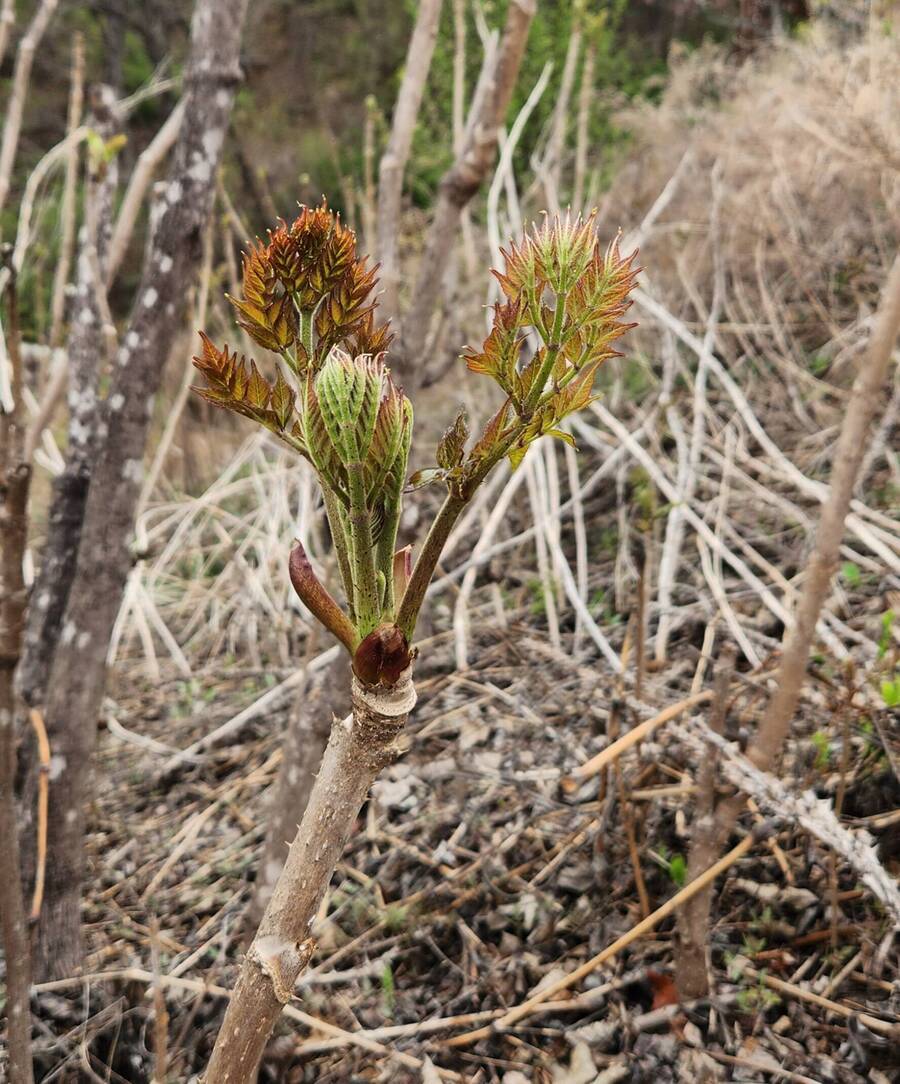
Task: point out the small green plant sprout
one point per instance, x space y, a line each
675 866
887 626
851 574
822 744
753 997
388 990
307 298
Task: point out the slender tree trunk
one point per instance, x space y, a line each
462 181
867 396
7 22
396 154
141 176
84 355
15 478
459 75
304 744
692 941
368 197
359 747
173 258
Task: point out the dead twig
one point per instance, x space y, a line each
606 756
43 802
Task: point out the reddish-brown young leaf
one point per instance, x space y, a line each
499 354
492 433
282 401
317 599
369 339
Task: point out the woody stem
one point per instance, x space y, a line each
359 747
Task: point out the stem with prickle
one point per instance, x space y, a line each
337 524
438 534
366 603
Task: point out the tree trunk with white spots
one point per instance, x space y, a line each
84 351
77 679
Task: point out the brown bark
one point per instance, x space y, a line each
15 477
462 181
304 744
173 258
359 747
867 396
396 153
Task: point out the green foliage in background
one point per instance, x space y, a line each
622 69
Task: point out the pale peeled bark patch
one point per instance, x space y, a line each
281 961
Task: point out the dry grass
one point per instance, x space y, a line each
474 876
800 150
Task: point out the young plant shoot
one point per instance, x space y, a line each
307 298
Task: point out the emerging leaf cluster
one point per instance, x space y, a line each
565 297
307 298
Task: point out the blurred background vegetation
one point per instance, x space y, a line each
313 71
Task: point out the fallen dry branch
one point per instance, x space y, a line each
643 730
198 986
43 805
791 989
816 815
